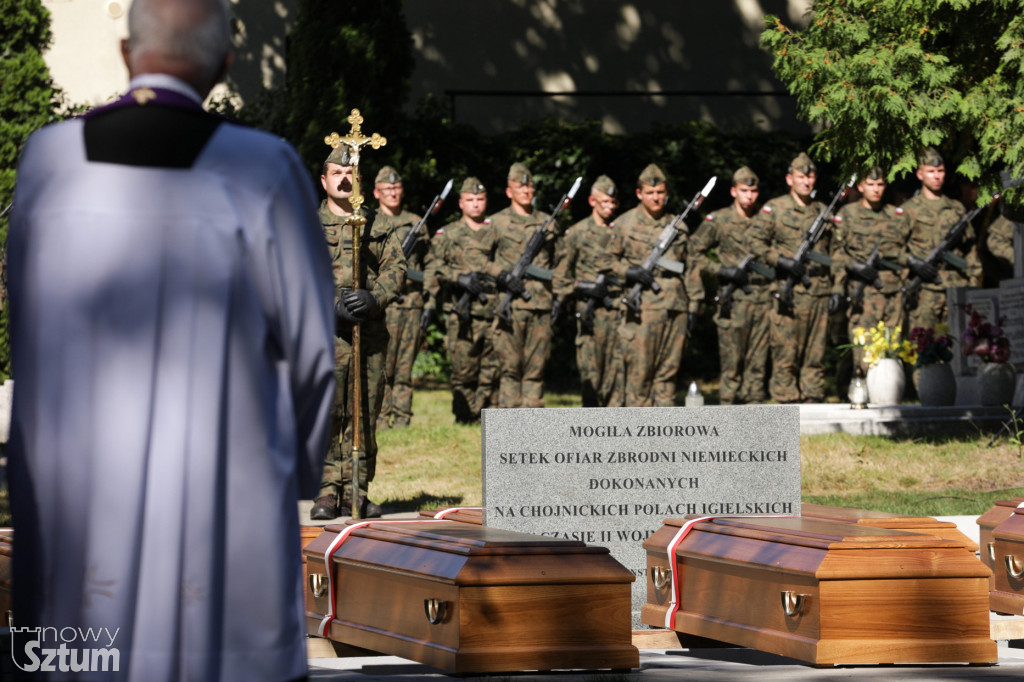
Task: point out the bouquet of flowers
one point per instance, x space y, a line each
882 342
931 346
984 339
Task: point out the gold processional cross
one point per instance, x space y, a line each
355 140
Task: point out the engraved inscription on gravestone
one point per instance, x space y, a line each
610 476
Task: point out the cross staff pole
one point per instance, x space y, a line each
354 141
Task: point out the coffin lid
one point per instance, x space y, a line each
867 517
1012 529
469 554
816 533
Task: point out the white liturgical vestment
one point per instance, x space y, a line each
172 334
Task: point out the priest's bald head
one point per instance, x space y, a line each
188 39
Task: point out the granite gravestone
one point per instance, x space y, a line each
609 477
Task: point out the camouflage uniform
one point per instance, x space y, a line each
797 335
857 230
383 275
651 343
743 326
524 346
597 348
474 372
930 220
404 332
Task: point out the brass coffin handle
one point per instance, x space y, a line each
992 552
793 603
1014 566
318 584
661 576
436 610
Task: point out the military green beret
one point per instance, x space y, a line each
388 176
651 176
472 185
603 184
520 173
930 156
803 164
339 155
744 176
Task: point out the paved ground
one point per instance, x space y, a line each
695 664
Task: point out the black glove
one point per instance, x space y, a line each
637 275
691 322
923 269
596 290
863 272
428 317
360 303
556 311
791 266
470 283
344 315
506 282
836 302
731 273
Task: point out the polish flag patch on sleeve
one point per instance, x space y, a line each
899 211
766 209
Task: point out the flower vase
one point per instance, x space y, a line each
936 385
886 382
996 383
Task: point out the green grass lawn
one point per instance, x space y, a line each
434 462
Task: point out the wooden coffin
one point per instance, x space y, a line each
1007 595
924 525
820 591
1000 511
306 535
474 515
466 598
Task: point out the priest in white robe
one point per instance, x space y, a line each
172 329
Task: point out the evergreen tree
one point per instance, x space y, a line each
28 101
883 78
344 56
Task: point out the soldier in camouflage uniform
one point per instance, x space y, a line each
524 345
743 322
652 342
931 214
403 316
869 294
798 333
449 277
383 275
597 339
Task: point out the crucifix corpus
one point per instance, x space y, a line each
354 141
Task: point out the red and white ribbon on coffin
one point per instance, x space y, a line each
684 530
451 510
325 624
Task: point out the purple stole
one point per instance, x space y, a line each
146 96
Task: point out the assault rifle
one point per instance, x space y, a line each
874 261
724 297
586 316
943 252
665 239
462 306
413 235
804 251
533 247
